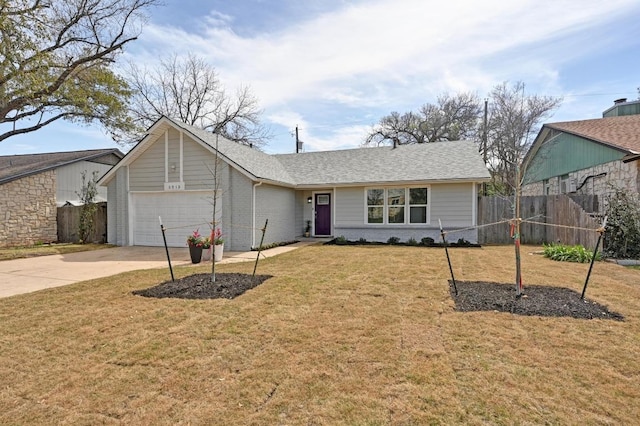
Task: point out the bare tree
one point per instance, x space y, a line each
55 59
451 118
188 89
514 121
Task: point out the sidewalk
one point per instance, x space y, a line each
21 276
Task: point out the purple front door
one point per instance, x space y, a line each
323 214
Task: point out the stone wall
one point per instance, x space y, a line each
28 210
605 179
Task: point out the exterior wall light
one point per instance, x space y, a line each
309 199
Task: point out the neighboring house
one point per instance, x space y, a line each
588 156
371 193
33 185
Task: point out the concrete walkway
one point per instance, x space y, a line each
21 276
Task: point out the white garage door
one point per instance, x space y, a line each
181 212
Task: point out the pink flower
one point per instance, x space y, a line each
195 239
216 236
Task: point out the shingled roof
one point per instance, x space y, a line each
622 133
435 162
14 167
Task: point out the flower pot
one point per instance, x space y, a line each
217 252
206 254
196 254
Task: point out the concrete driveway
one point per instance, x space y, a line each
27 275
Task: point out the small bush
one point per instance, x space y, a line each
341 240
564 253
427 241
462 242
412 242
393 240
362 240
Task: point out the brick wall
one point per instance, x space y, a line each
28 210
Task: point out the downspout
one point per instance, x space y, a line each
253 209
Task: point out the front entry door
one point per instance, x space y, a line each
323 214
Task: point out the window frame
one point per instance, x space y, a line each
406 206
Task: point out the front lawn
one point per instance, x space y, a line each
338 335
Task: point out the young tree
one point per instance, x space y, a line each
188 89
55 59
453 117
514 121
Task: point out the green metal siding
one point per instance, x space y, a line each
625 109
566 153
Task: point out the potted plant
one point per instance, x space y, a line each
195 242
218 244
307 230
206 249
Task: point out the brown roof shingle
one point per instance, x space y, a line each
620 132
17 166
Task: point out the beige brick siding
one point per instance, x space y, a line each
28 210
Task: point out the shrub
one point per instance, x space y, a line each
362 240
622 236
427 241
564 253
393 240
412 242
341 240
87 194
463 242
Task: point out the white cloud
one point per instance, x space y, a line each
395 55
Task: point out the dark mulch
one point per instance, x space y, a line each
336 242
199 286
536 300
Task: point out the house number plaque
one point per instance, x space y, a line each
174 186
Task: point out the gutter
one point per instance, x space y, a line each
630 157
253 209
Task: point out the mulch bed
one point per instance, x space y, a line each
472 296
199 286
536 300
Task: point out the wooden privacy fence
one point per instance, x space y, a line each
574 222
68 218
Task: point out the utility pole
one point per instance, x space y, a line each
484 140
297 141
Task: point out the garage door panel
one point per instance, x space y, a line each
181 213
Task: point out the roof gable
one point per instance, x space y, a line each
612 138
14 167
252 162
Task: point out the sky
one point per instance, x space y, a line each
333 68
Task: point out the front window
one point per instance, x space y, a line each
375 205
397 205
417 205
